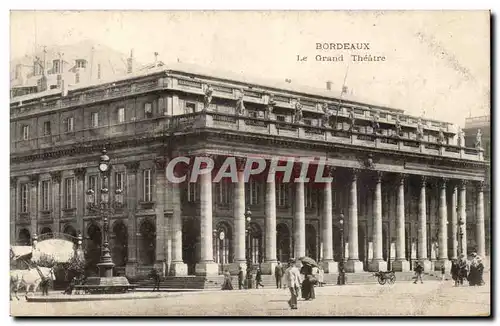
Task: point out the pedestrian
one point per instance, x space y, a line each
418 273
292 280
308 282
258 279
278 274
155 276
442 273
71 286
321 276
241 278
44 285
227 285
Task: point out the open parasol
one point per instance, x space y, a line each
308 261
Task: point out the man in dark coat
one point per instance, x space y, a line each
278 274
307 284
241 279
418 271
258 278
155 276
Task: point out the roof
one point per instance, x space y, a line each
20 251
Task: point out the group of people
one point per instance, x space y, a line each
228 284
301 282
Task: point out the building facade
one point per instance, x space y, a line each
400 183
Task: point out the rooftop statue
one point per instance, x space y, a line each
208 97
375 121
352 120
240 105
460 138
398 126
441 138
298 111
271 103
420 129
479 143
326 115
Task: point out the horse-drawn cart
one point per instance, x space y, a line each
383 277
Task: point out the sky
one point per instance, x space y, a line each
437 63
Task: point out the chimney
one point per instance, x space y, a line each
329 85
156 58
130 65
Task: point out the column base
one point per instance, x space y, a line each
268 267
426 264
377 265
330 266
401 266
207 268
234 268
443 262
353 266
131 269
178 268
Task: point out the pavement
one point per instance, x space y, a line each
433 298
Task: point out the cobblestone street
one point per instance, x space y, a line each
432 298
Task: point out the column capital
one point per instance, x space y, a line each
378 176
401 178
160 163
13 181
240 163
34 179
330 170
423 181
133 166
56 176
480 186
443 183
354 174
463 183
80 173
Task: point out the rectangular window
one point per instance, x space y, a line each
45 195
148 109
282 194
119 180
46 128
280 118
95 119
147 192
190 107
253 192
69 125
121 115
92 184
26 132
192 192
222 190
24 197
69 193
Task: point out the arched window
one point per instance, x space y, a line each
45 233
24 238
119 244
283 242
222 244
254 235
147 241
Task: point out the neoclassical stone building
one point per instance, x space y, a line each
402 184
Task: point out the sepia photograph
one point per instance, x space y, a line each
250 163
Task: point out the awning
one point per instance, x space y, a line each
20 251
58 249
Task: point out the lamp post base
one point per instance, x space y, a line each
106 269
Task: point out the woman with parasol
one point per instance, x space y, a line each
309 279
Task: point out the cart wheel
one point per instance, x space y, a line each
381 280
392 279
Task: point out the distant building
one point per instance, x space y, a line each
82 63
472 125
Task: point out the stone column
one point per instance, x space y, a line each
454 222
353 264
377 263
329 265
422 228
400 264
462 217
480 234
177 267
33 203
443 230
159 188
13 209
271 261
55 177
300 220
206 266
130 201
80 192
239 220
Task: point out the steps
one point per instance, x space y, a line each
215 282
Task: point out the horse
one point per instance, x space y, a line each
30 278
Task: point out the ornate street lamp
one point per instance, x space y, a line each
106 264
248 219
341 278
